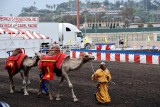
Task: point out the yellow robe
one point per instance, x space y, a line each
102 94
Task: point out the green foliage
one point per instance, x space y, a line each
106 2
29 9
63 6
44 11
130 8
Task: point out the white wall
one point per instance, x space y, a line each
49 29
31 46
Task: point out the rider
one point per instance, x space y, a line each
43 81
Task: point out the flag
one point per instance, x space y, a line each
125 40
105 39
86 40
149 39
70 42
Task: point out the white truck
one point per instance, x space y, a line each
65 34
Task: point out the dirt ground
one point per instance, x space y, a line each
137 85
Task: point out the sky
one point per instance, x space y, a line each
14 7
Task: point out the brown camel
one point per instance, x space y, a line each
25 66
68 65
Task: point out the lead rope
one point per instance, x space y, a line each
92 66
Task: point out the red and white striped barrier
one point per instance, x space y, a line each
120 57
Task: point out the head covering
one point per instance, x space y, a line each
103 63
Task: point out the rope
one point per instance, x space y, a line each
92 66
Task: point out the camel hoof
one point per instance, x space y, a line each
26 94
75 100
58 99
50 99
12 92
39 93
29 82
24 82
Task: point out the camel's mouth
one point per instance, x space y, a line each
92 58
88 57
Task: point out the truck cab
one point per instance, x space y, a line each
69 35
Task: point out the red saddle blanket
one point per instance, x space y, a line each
49 63
13 63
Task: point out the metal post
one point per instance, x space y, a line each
62 34
96 22
85 24
78 17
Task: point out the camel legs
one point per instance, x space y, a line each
11 85
24 77
27 77
60 85
49 90
69 84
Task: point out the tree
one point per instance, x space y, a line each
106 2
54 6
127 15
34 3
118 3
131 3
147 4
28 9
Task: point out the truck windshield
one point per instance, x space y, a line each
79 34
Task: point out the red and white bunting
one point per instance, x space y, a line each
11 31
31 35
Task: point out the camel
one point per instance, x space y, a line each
67 66
25 66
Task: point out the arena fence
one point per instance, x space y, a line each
120 56
115 30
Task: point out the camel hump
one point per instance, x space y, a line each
16 51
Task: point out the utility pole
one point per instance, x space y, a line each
62 38
94 4
85 23
85 17
78 17
146 3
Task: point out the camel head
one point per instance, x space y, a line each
87 57
37 57
54 50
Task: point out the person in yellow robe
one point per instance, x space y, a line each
102 76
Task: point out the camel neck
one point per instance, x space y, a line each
76 63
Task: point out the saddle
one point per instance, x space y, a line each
51 64
13 63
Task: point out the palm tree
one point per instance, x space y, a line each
34 3
54 6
